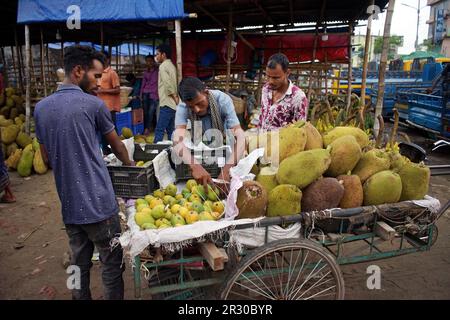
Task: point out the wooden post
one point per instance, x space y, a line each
48 71
62 51
27 78
5 70
117 58
383 61
43 74
134 57
19 62
230 34
178 49
312 63
366 59
14 64
326 74
349 75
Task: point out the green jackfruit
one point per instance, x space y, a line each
415 180
292 140
371 162
38 163
23 139
13 113
35 144
9 134
338 132
304 167
284 200
11 148
345 154
14 159
26 161
383 187
10 91
314 139
267 177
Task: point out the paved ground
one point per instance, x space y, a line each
36 272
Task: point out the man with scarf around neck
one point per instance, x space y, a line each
213 112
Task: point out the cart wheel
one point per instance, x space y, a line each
290 269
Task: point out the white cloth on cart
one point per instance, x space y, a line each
134 240
433 204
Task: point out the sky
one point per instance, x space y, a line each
404 22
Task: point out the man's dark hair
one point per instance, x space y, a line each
278 58
106 54
82 56
190 87
149 56
130 77
165 48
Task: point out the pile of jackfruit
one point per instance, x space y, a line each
305 170
21 152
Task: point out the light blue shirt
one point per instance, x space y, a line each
226 109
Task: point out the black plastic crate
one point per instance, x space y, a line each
133 182
148 154
209 161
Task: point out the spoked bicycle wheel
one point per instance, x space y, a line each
292 269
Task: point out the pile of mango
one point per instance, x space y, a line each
166 208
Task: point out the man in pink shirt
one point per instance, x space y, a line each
149 93
282 102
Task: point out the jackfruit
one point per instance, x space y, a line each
284 200
353 191
13 159
22 117
337 132
397 160
325 193
13 113
314 139
4 111
10 91
292 140
18 121
251 200
267 177
9 102
9 134
26 161
38 163
304 167
415 180
11 148
383 187
23 139
371 162
35 144
345 154
127 133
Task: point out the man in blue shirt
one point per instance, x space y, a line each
212 118
68 125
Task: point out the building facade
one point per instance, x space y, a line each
439 25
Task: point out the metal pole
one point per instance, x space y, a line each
43 75
178 49
417 30
27 77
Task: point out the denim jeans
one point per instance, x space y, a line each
149 105
82 238
166 123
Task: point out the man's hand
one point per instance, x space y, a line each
201 175
225 173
